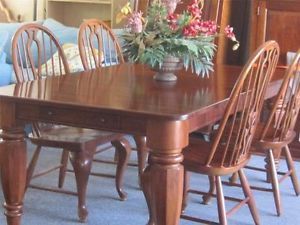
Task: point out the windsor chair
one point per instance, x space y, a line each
229 150
33 41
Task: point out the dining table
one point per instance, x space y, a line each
122 98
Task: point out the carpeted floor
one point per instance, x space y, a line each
47 208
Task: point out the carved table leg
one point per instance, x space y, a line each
142 153
82 163
13 173
163 179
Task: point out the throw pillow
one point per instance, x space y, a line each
73 57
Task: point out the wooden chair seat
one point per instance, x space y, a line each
197 153
270 140
72 138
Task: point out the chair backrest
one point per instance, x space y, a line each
37 53
98 46
234 136
284 113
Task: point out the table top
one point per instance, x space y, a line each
130 89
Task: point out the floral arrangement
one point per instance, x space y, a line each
163 33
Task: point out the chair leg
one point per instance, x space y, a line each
123 149
142 154
212 188
291 167
276 152
82 163
233 178
116 157
186 184
63 168
145 183
32 164
274 181
221 201
248 193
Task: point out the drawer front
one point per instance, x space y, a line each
79 118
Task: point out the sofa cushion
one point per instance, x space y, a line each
63 33
10 28
3 41
5 71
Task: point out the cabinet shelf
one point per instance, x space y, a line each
73 12
108 2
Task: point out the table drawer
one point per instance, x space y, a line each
79 118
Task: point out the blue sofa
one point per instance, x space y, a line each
63 33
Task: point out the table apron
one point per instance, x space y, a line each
81 118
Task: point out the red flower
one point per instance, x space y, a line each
192 29
208 27
194 9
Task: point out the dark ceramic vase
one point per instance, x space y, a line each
170 65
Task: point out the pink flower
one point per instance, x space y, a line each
192 29
172 21
198 26
170 5
194 9
229 32
135 22
208 27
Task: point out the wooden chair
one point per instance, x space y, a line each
278 132
228 152
35 41
99 47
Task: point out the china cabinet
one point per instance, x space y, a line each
278 20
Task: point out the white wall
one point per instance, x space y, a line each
25 8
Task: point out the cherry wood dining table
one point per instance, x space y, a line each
122 98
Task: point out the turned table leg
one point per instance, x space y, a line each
162 181
13 173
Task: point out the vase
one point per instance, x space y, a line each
170 65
